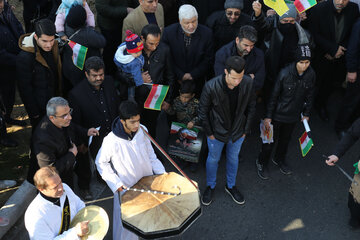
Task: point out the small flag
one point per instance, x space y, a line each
156 97
191 133
278 5
306 144
303 5
79 54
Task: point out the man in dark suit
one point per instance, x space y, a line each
191 47
331 25
95 104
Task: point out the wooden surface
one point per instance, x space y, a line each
154 212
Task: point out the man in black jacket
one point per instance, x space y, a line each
243 46
10 31
226 24
331 23
191 47
38 69
227 108
293 90
53 141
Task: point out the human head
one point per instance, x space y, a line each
245 40
45 34
187 91
340 4
95 71
134 45
302 58
59 112
48 182
150 36
289 16
188 18
76 17
129 114
148 6
233 9
234 71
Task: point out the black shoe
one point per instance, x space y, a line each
8 142
206 198
340 134
284 169
354 223
235 194
262 171
12 121
323 114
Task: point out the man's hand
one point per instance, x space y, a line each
212 137
305 117
267 122
332 160
351 77
257 8
187 76
252 76
146 77
122 188
93 132
165 106
328 57
340 52
303 16
243 136
82 228
73 149
270 12
190 125
64 38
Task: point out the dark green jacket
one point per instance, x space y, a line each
111 13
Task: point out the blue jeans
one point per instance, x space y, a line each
232 161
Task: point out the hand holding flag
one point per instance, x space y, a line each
305 141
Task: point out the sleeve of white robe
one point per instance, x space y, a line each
156 164
103 164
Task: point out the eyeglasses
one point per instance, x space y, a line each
65 116
230 13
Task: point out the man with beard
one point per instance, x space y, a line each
225 24
126 156
284 35
191 47
243 46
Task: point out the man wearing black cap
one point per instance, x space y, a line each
292 95
226 24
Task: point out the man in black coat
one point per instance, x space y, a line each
226 24
54 141
226 110
243 46
331 23
10 31
191 47
38 69
95 102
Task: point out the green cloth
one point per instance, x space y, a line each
356 168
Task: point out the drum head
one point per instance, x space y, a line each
98 221
153 215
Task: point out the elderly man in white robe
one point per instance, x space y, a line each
126 155
50 213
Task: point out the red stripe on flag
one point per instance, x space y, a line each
303 137
72 44
299 6
151 94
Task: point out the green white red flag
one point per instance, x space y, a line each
79 54
306 144
156 97
303 5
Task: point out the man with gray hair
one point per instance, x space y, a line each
191 47
54 141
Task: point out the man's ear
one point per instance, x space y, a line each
36 37
226 71
237 40
86 75
51 118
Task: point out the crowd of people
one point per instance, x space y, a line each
220 59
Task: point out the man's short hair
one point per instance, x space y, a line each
187 86
235 63
45 26
94 63
151 29
128 109
42 175
248 32
187 11
53 103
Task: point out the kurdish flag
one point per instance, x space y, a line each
278 5
191 133
306 144
156 97
79 54
303 5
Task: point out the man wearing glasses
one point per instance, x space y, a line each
225 25
54 143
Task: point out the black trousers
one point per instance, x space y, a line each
282 136
7 89
349 105
113 40
353 207
82 170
